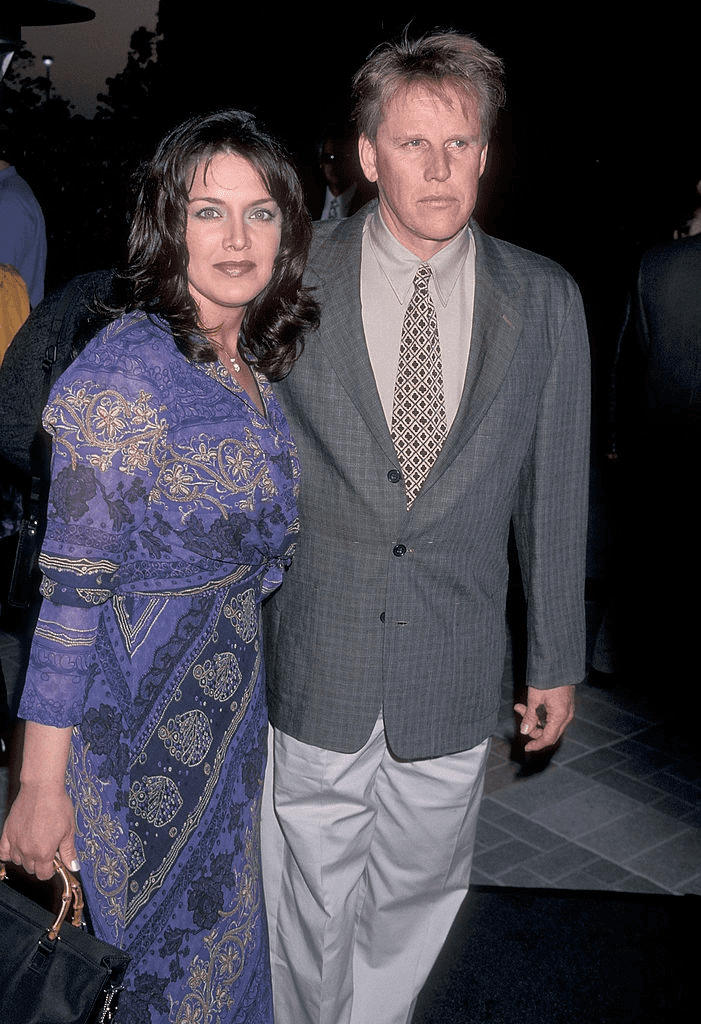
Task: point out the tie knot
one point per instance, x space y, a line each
422 277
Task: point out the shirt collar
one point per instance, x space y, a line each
399 265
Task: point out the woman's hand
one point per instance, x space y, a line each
40 824
41 821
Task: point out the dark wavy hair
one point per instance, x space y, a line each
157 266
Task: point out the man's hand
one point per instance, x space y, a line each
546 716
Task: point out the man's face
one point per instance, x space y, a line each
427 161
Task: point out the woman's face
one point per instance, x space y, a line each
232 236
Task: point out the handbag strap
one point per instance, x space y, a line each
39 450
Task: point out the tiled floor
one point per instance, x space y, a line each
617 807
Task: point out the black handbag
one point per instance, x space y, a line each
51 970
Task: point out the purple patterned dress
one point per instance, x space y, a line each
172 514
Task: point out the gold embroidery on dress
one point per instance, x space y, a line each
229 943
136 856
187 737
205 474
107 420
93 596
102 835
136 631
61 633
137 900
155 798
219 677
243 612
77 566
201 474
239 573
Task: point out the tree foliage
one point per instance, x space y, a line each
130 95
29 99
81 169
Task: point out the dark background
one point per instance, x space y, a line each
595 159
603 129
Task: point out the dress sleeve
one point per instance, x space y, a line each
108 430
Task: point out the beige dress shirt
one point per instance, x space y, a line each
386 286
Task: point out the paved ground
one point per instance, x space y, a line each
618 807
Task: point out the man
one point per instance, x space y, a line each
387 639
22 229
342 177
660 459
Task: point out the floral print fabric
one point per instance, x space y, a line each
172 513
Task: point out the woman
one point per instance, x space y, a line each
172 513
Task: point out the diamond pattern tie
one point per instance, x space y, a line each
418 415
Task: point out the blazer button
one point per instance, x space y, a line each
382 616
399 550
394 476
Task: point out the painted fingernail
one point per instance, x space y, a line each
525 729
75 865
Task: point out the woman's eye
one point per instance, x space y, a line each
208 213
263 214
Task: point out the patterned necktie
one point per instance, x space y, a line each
419 422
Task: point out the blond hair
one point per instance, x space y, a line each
434 61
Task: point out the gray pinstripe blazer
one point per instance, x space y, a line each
405 610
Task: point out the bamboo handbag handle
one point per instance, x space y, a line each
71 897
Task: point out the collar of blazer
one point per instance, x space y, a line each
334 273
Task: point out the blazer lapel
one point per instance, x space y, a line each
496 327
342 333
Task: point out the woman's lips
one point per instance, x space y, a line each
235 268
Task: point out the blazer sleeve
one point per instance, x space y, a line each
551 509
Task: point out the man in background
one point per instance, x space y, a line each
22 228
345 188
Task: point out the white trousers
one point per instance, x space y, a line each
366 861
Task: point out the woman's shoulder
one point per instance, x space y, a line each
134 346
135 331
122 375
